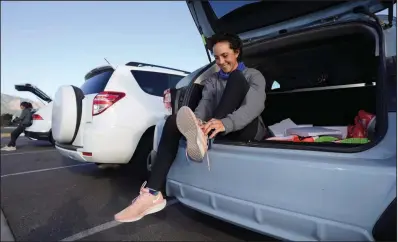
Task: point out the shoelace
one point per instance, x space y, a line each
141 194
207 156
142 186
208 160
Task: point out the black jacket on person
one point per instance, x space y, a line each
25 119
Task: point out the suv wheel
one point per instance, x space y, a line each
51 138
141 154
150 160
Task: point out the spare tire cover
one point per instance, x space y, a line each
66 114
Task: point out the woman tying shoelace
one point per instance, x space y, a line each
232 102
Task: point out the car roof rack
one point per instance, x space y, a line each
139 64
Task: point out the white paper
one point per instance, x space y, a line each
342 129
280 128
313 131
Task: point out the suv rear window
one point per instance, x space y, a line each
222 8
97 83
155 83
241 16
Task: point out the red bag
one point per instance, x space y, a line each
356 130
367 119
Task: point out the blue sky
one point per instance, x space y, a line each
50 44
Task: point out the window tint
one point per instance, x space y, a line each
337 61
187 79
97 83
155 83
173 80
242 16
275 85
221 8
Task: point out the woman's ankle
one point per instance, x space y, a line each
153 191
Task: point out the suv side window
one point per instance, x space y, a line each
154 83
173 80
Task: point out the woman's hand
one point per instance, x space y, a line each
215 124
200 123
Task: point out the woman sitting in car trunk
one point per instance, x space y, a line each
232 102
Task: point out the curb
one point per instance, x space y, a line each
6 234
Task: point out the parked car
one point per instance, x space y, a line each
112 116
41 125
330 60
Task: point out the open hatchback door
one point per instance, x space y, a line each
33 89
258 19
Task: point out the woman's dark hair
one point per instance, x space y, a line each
25 104
30 105
235 43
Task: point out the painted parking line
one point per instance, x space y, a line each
27 152
42 170
103 227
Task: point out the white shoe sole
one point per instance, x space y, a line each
152 210
186 123
8 149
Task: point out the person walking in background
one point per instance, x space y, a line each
25 120
231 106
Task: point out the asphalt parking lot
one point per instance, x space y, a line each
46 197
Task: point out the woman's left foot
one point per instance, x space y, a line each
9 148
146 203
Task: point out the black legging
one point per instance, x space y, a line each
15 134
232 98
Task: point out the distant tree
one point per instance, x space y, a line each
6 119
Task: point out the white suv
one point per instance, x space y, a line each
113 114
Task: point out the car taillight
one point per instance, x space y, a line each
167 100
36 117
104 100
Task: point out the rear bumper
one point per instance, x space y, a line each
253 216
111 146
76 153
37 135
71 152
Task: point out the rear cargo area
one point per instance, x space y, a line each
328 82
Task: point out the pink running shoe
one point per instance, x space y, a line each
144 204
196 139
